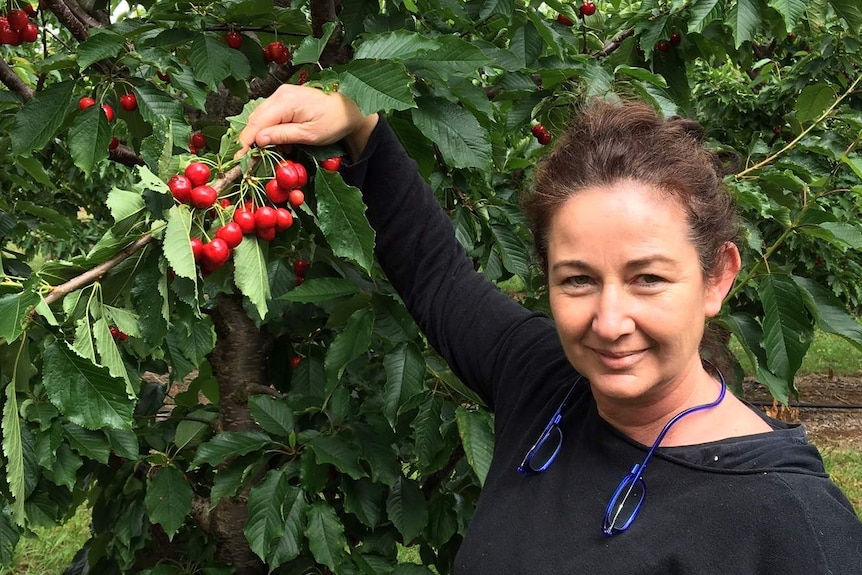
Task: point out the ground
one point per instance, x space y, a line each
830 407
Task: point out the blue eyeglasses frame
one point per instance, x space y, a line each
550 429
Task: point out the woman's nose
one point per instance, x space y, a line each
612 317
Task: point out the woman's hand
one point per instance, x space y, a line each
303 115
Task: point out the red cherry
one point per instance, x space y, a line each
129 102
266 234
215 253
587 9
300 280
115 143
85 103
276 49
538 129
544 138
283 219
245 220
4 23
662 45
303 77
275 193
109 112
265 217
296 198
295 361
287 175
181 188
198 140
301 266
203 196
675 39
30 33
30 10
10 37
115 331
564 20
164 77
198 172
197 248
302 174
225 203
17 19
267 53
231 233
331 164
233 39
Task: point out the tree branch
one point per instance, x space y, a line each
12 81
126 156
615 43
71 20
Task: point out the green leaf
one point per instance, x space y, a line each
250 273
428 440
190 433
450 55
702 13
477 436
90 444
311 48
13 313
289 545
325 535
320 290
377 85
395 45
266 518
363 499
229 444
35 170
490 8
37 122
168 499
831 314
178 249
13 450
405 375
349 344
159 109
9 537
743 18
273 415
462 141
791 11
787 331
336 450
843 235
512 250
86 393
210 60
124 204
850 11
109 354
99 45
813 101
407 509
341 213
89 137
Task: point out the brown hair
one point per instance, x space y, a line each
608 143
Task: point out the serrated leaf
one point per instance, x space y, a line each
168 499
9 537
13 313
229 444
159 109
349 344
35 170
273 415
787 331
210 60
841 234
462 141
89 137
743 17
791 11
850 11
91 444
177 248
395 45
341 213
363 499
265 520
336 450
428 440
13 450
405 375
311 48
831 314
377 85
512 250
86 393
99 45
702 13
451 55
504 8
321 290
124 204
477 437
109 354
36 123
325 535
813 101
407 509
250 273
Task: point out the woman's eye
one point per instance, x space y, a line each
649 279
577 281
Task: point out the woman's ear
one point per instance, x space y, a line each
719 284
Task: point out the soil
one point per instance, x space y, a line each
829 407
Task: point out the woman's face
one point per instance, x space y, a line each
627 291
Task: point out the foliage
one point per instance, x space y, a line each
166 395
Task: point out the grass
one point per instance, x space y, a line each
52 549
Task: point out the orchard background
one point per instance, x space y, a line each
268 405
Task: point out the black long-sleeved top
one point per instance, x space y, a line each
760 504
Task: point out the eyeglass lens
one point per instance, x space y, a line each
546 450
625 503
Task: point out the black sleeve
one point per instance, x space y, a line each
473 325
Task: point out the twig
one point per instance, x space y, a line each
70 19
615 43
12 81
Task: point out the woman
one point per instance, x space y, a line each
636 237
